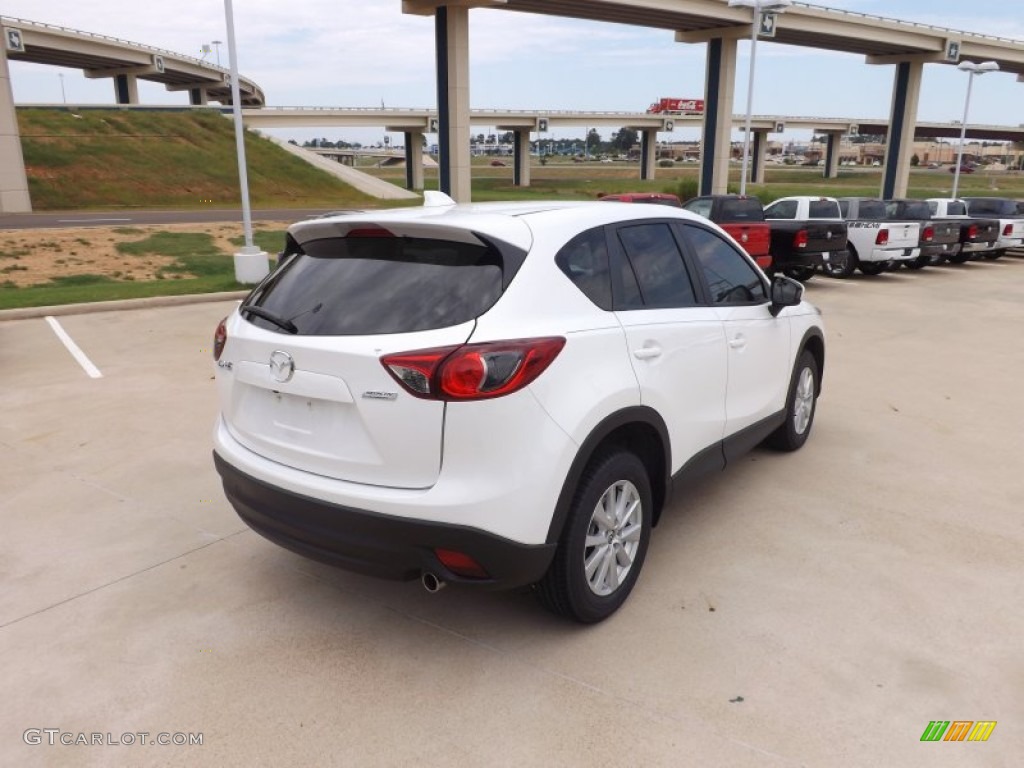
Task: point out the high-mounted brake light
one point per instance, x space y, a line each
220 338
369 232
929 234
800 239
473 371
882 238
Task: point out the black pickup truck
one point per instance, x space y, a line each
940 238
805 231
979 237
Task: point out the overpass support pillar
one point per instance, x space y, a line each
126 89
758 151
13 180
451 40
413 160
197 97
521 158
902 121
716 142
834 138
648 152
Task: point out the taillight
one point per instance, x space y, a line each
928 235
972 231
882 238
473 371
800 239
220 337
1008 230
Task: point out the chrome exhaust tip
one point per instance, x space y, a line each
431 583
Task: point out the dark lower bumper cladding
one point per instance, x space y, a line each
375 544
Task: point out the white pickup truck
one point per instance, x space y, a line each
1011 222
873 242
978 236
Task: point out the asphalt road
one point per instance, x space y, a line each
814 609
64 219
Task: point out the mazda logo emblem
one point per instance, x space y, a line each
282 366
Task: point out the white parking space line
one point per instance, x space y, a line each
91 370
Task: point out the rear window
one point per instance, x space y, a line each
870 210
825 209
371 285
735 209
992 207
915 211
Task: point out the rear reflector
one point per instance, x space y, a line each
461 564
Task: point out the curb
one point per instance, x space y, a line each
26 313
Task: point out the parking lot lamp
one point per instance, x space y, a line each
757 8
972 69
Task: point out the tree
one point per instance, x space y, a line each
915 160
624 139
593 140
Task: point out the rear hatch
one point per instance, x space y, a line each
306 387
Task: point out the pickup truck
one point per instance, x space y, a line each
940 238
978 236
1011 223
805 231
874 243
742 218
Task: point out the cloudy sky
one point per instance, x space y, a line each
360 53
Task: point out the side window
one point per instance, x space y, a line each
783 209
584 260
654 256
700 207
730 277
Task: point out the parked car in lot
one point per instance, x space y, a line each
1011 222
805 232
503 394
742 218
873 243
939 238
978 236
655 198
963 169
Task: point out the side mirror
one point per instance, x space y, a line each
786 292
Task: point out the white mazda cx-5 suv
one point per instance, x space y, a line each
503 394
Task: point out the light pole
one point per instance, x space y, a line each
757 7
63 95
216 45
972 69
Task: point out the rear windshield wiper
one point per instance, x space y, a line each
280 322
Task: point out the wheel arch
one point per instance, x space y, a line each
639 429
814 342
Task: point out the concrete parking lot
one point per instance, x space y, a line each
814 609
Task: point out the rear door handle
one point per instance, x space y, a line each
738 341
646 353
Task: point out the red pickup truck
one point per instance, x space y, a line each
742 218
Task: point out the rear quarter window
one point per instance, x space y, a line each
381 285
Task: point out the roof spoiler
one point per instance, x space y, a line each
434 199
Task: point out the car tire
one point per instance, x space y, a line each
801 404
959 258
599 559
993 255
803 274
841 267
919 263
873 267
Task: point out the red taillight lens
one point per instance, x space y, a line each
882 238
800 239
928 235
1008 230
220 337
972 231
461 564
473 371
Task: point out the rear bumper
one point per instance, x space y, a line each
979 247
376 544
891 254
940 249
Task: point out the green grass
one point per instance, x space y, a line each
104 159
